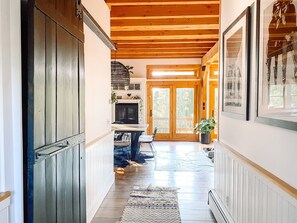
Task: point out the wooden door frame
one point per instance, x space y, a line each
211 105
173 85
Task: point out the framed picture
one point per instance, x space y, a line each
277 63
236 67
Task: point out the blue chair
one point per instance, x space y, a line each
122 149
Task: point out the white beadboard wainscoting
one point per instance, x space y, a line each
245 193
4 207
99 172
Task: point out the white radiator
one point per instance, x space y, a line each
4 210
99 172
246 195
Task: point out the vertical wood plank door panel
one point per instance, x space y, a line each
75 86
39 79
51 189
64 187
39 193
67 84
50 81
75 184
82 183
81 88
64 82
45 191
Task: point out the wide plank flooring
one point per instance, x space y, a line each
194 186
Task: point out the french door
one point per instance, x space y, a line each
172 108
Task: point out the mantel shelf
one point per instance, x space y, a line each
129 100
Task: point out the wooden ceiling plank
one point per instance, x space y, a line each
167 45
121 51
166 41
160 2
168 11
165 27
178 37
165 33
165 21
155 56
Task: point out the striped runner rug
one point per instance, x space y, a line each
152 204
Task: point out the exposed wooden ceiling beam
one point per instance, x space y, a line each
167 41
160 2
165 11
132 38
211 55
165 27
156 56
167 34
165 21
140 51
167 46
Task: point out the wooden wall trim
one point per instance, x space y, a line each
4 195
271 177
96 140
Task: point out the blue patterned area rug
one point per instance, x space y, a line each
183 160
152 204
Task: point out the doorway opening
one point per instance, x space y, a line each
172 104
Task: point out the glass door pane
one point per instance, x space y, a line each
185 110
161 110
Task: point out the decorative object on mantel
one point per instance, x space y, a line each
130 68
119 74
114 98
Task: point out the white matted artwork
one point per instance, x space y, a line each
277 63
236 67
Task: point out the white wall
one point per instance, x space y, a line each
97 70
99 137
139 65
273 148
10 107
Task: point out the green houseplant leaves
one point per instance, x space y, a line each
205 126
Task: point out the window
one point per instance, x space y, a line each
185 71
173 73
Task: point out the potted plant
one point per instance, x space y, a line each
204 127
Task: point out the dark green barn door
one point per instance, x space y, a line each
53 105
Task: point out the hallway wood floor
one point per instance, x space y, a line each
194 187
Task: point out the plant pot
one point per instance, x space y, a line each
205 138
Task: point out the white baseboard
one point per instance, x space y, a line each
218 209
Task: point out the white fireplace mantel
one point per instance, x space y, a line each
128 101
